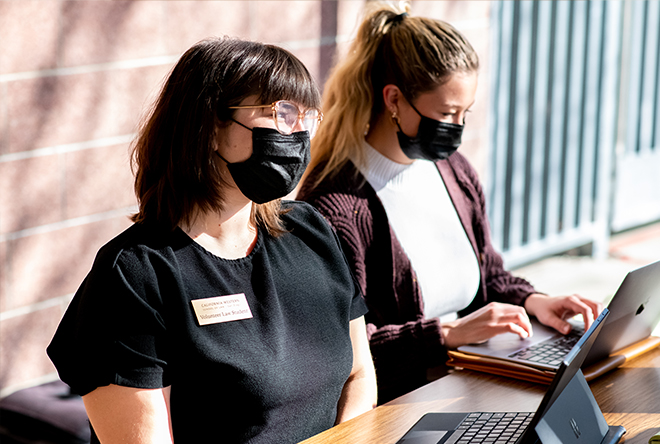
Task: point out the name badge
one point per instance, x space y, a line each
233 307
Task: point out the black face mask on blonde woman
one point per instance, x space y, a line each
435 140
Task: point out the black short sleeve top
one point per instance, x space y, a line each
268 367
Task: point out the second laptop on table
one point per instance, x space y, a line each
635 312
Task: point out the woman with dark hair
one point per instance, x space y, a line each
408 209
223 314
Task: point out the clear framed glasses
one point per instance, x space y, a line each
286 115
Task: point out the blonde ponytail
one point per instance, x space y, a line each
348 98
390 47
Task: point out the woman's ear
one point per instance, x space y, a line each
392 95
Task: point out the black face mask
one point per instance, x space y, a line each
275 167
435 140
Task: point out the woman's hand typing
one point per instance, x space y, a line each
488 321
554 310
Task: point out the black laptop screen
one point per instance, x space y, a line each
567 370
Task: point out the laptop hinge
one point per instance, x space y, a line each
613 435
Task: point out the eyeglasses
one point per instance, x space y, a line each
287 115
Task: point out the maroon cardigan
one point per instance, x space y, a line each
404 343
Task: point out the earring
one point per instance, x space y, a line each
395 118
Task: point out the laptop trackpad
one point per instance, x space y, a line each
432 428
424 437
505 344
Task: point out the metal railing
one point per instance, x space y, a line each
636 196
555 91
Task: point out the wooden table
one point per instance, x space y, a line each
628 396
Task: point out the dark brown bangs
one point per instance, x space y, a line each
284 77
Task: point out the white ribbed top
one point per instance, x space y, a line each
426 223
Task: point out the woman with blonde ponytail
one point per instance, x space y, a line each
408 209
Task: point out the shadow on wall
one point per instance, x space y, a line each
329 19
53 175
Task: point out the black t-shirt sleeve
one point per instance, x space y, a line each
113 331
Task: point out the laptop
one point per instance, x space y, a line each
568 413
634 313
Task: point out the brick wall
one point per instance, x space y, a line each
75 77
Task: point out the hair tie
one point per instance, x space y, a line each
397 18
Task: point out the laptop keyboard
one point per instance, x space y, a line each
552 351
491 428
